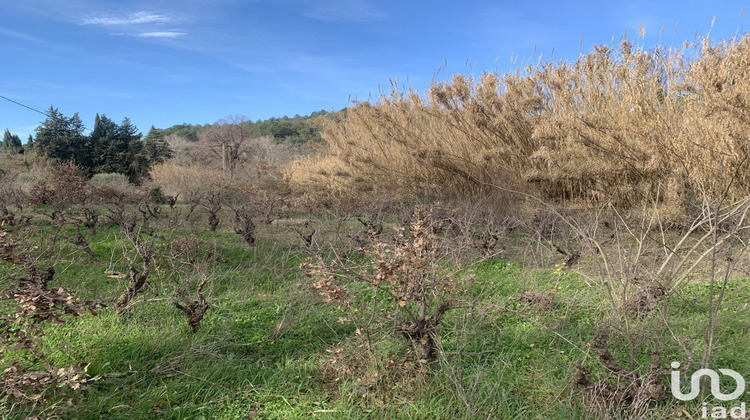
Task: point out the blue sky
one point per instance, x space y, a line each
166 62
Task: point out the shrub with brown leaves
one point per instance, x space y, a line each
64 185
34 303
407 274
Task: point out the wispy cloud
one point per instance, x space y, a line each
124 20
155 34
33 46
140 24
162 34
19 35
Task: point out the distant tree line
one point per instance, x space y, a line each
120 148
188 131
110 148
296 130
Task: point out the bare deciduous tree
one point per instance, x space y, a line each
228 139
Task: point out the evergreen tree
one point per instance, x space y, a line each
61 138
130 150
102 127
12 142
104 147
110 148
155 147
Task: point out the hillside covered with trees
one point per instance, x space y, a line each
121 148
297 129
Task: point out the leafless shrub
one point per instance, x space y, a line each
195 184
640 265
212 202
73 216
65 185
372 227
8 197
12 208
479 225
90 219
269 204
245 226
487 241
633 392
137 277
7 217
645 300
572 255
187 248
79 240
116 194
172 200
307 236
121 216
149 211
194 200
58 220
188 259
194 309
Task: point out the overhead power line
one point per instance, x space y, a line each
25 106
46 114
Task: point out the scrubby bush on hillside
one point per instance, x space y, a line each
64 185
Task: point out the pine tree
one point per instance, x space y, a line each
61 138
110 148
103 140
11 141
130 149
156 148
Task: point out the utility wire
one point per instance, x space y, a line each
25 106
33 109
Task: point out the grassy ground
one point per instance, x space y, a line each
271 348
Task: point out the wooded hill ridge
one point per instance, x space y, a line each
297 129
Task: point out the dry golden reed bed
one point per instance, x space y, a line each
626 125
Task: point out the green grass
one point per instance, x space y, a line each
262 346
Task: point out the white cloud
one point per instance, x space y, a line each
162 34
154 34
150 25
122 20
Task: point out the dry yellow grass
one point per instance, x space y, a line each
175 179
624 125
